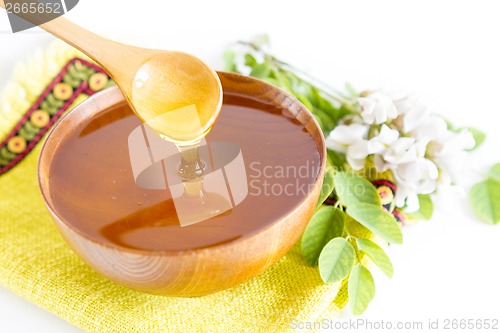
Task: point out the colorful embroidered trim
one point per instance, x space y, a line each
78 77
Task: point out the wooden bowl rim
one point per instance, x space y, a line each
111 97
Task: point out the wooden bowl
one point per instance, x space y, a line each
199 271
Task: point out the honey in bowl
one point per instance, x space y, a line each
281 163
130 230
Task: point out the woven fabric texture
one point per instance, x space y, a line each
37 265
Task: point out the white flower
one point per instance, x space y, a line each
377 108
404 102
449 153
343 136
404 150
413 178
429 129
414 173
405 138
417 121
351 140
421 173
412 202
357 154
351 119
414 117
451 143
382 141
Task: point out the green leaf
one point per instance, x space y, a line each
324 103
272 81
327 187
229 61
478 135
250 60
304 100
341 112
336 260
323 118
352 189
320 123
494 172
485 200
449 124
326 224
284 81
377 255
318 100
261 70
261 40
337 159
379 221
356 229
361 289
351 90
426 208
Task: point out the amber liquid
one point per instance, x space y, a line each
92 169
185 120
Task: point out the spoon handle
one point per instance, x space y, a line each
107 53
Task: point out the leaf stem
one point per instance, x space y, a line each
356 251
337 204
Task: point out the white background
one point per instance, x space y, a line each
447 51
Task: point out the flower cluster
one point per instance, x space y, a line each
413 150
401 135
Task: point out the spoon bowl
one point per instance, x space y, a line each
167 87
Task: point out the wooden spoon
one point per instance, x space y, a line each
154 82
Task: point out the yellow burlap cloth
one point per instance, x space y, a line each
36 264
